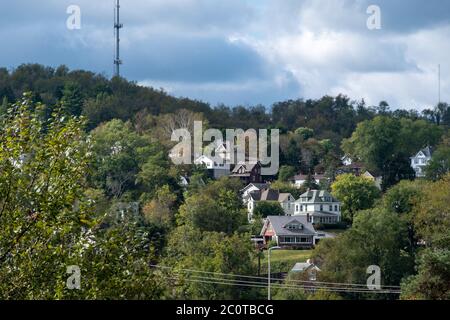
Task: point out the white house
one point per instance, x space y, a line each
218 167
346 160
420 161
300 179
251 187
307 266
286 201
319 206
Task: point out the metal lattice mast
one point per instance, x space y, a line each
117 27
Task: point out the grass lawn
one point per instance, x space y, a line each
284 260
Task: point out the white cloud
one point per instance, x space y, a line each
245 51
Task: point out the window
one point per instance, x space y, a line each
331 207
296 208
336 208
301 208
294 226
321 207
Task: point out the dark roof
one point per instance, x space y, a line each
268 195
248 167
428 151
317 196
265 195
305 177
355 165
279 222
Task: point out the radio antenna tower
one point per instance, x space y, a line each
117 27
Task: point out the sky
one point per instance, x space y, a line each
246 52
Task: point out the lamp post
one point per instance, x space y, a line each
268 269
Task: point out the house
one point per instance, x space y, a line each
420 161
377 179
223 150
286 231
356 168
218 168
248 172
185 181
300 179
245 192
318 206
286 200
346 160
307 266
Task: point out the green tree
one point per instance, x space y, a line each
42 177
160 210
432 222
354 193
124 160
433 277
72 99
402 200
385 144
214 256
268 208
216 208
49 221
305 133
377 237
439 166
286 172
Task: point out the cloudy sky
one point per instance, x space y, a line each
246 52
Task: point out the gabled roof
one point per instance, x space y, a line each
259 186
302 266
427 151
317 196
284 196
269 195
278 224
248 167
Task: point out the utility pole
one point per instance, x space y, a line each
117 27
268 269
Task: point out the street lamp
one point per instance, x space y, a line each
268 269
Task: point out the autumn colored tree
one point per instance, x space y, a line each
354 193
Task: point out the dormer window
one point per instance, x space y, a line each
294 226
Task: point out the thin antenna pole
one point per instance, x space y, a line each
117 27
439 84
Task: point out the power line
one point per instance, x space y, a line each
221 281
317 285
264 278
